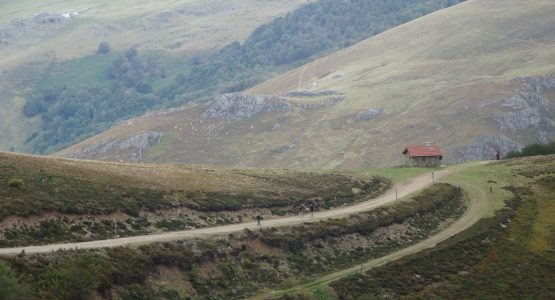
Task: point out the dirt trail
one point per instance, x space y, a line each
472 215
404 189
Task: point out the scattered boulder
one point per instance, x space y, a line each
239 106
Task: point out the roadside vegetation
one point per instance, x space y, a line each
47 200
237 265
533 150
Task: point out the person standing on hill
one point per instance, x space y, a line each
312 208
498 155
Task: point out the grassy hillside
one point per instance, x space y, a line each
84 96
233 266
473 78
36 36
508 256
183 25
44 199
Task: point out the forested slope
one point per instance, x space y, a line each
120 86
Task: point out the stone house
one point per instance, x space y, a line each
423 156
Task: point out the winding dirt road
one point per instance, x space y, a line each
404 189
474 212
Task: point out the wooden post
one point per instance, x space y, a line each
433 178
115 228
396 196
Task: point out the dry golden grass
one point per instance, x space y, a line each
89 187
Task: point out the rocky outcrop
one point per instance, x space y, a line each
131 148
526 110
485 148
310 94
370 114
328 102
47 19
538 84
38 26
283 149
239 106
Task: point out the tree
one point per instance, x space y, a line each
32 107
103 48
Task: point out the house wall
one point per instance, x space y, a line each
423 161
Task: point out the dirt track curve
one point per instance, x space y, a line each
472 215
414 185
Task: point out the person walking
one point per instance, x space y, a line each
312 208
498 155
301 211
258 219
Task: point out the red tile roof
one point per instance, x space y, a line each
416 151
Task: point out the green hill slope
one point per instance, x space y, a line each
46 199
473 78
39 40
80 97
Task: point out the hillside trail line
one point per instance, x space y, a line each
301 76
473 213
403 189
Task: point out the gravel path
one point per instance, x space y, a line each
404 189
472 215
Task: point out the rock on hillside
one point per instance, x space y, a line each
485 148
240 106
130 149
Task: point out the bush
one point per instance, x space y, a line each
103 48
16 183
33 107
533 150
10 287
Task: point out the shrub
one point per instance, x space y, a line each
103 48
16 183
33 107
533 150
10 285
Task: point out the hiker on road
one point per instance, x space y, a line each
258 219
301 211
312 208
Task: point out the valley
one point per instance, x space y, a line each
292 150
